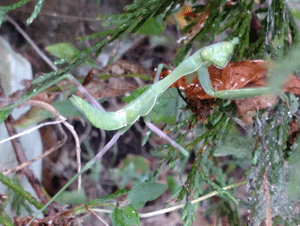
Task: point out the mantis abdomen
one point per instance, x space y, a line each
121 118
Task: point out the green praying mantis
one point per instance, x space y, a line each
218 54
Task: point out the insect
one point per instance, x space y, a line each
217 54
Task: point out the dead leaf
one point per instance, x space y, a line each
61 219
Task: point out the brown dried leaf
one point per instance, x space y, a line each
122 67
113 87
59 219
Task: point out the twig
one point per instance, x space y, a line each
167 138
46 153
35 183
170 209
31 42
31 130
96 215
78 151
61 16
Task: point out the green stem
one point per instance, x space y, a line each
19 190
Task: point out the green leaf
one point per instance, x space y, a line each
20 191
296 13
144 192
236 145
66 108
188 213
125 216
62 50
5 219
173 186
4 114
5 9
151 26
106 198
72 197
2 14
36 11
133 170
44 77
167 107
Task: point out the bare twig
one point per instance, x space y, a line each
77 143
32 129
46 153
98 217
167 138
31 42
173 208
67 18
35 183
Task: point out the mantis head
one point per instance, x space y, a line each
219 54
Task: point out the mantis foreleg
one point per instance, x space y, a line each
204 79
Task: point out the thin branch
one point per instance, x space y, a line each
167 138
61 16
98 217
31 42
33 180
32 129
46 153
170 209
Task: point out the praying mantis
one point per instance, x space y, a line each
218 54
